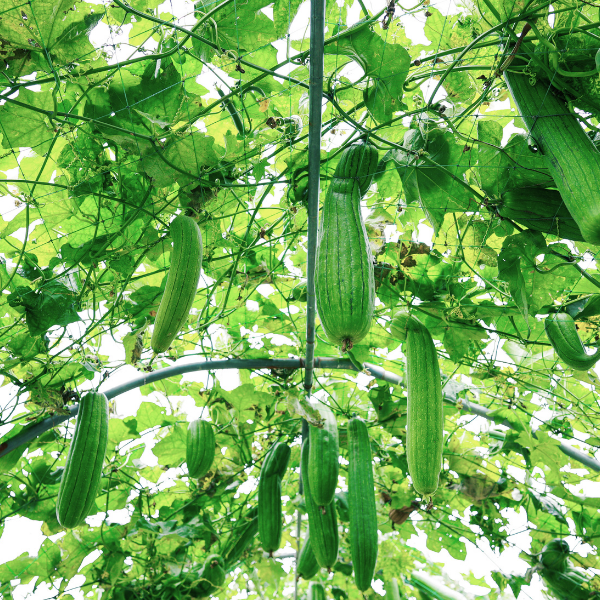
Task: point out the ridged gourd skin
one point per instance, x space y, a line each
425 413
359 162
555 555
83 469
539 209
270 514
341 501
562 334
361 500
200 448
570 584
211 577
240 539
324 535
308 566
323 458
182 282
344 275
572 158
316 591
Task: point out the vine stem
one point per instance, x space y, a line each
33 431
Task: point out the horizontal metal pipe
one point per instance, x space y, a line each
36 430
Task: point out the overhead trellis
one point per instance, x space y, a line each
116 116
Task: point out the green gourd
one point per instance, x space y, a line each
573 583
562 333
344 568
300 292
425 415
316 591
341 501
433 588
182 282
555 555
83 470
270 515
539 209
392 588
240 539
572 158
211 577
324 536
323 458
307 566
200 448
344 276
361 500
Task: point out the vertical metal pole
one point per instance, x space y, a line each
315 102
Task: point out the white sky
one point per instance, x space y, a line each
24 535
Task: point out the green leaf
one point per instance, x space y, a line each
133 343
50 26
53 304
27 346
27 127
19 568
513 166
434 187
170 451
181 161
515 249
385 64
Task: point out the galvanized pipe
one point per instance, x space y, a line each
315 104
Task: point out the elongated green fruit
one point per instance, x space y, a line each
308 566
571 584
341 500
434 588
182 282
344 568
323 458
83 470
270 514
240 539
562 333
300 292
316 591
210 578
539 209
361 500
345 283
200 448
573 160
233 113
425 416
324 536
392 587
555 555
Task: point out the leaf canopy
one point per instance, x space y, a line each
115 117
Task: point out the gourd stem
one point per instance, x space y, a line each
315 102
34 431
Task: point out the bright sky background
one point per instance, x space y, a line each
24 535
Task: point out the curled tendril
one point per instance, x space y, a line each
552 59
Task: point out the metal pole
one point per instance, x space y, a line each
33 431
315 103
